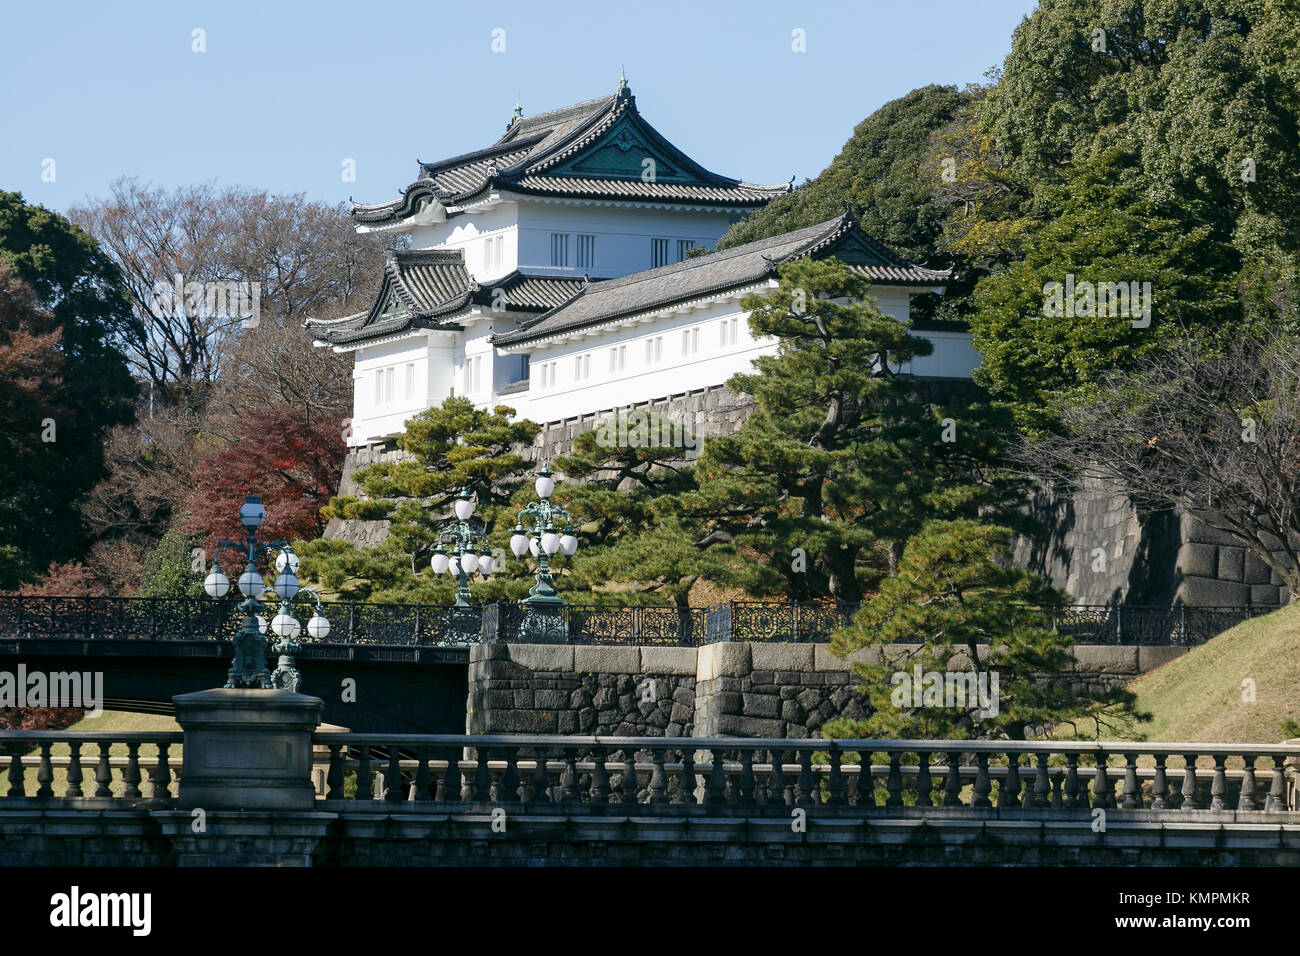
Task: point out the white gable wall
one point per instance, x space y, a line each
395 380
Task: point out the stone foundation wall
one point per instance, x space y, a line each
560 689
728 689
1101 551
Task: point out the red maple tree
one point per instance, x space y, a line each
293 463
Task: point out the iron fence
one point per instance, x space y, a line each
191 619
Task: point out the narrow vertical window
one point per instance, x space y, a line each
560 250
410 381
658 253
586 251
684 246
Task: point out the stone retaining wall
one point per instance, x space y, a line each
728 689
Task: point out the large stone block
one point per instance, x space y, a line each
1103 659
542 657
1198 560
734 725
607 660
669 660
725 659
1231 563
1256 571
1207 592
760 705
1149 658
782 657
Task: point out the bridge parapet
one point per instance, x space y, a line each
415 799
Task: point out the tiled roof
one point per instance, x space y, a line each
532 155
718 272
429 288
531 293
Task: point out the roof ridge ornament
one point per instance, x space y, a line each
622 79
519 111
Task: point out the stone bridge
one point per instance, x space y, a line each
274 790
735 688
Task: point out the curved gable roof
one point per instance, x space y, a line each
544 155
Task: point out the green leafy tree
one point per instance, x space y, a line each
1037 355
955 606
169 570
75 284
842 460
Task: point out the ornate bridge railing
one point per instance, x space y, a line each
88 769
685 775
188 619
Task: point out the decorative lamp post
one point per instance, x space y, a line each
249 666
463 551
551 533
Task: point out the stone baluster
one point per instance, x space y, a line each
393 791
835 781
1159 785
45 773
1132 789
480 781
334 774
1009 789
952 783
1246 800
685 792
1103 791
748 786
894 782
1073 797
658 780
599 777
104 771
365 785
805 798
540 791
569 777
17 787
1058 796
1219 786
160 777
74 769
777 786
1189 782
423 779
628 787
982 785
715 788
1042 782
924 782
449 792
1277 790
131 775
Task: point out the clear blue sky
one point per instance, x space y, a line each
286 91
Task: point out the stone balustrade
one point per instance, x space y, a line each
675 775
88 771
250 758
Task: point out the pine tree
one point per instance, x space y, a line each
954 607
452 446
842 459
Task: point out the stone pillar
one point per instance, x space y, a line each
247 749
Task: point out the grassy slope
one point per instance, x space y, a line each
1198 696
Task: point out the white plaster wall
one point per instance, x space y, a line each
679 370
434 359
622 235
